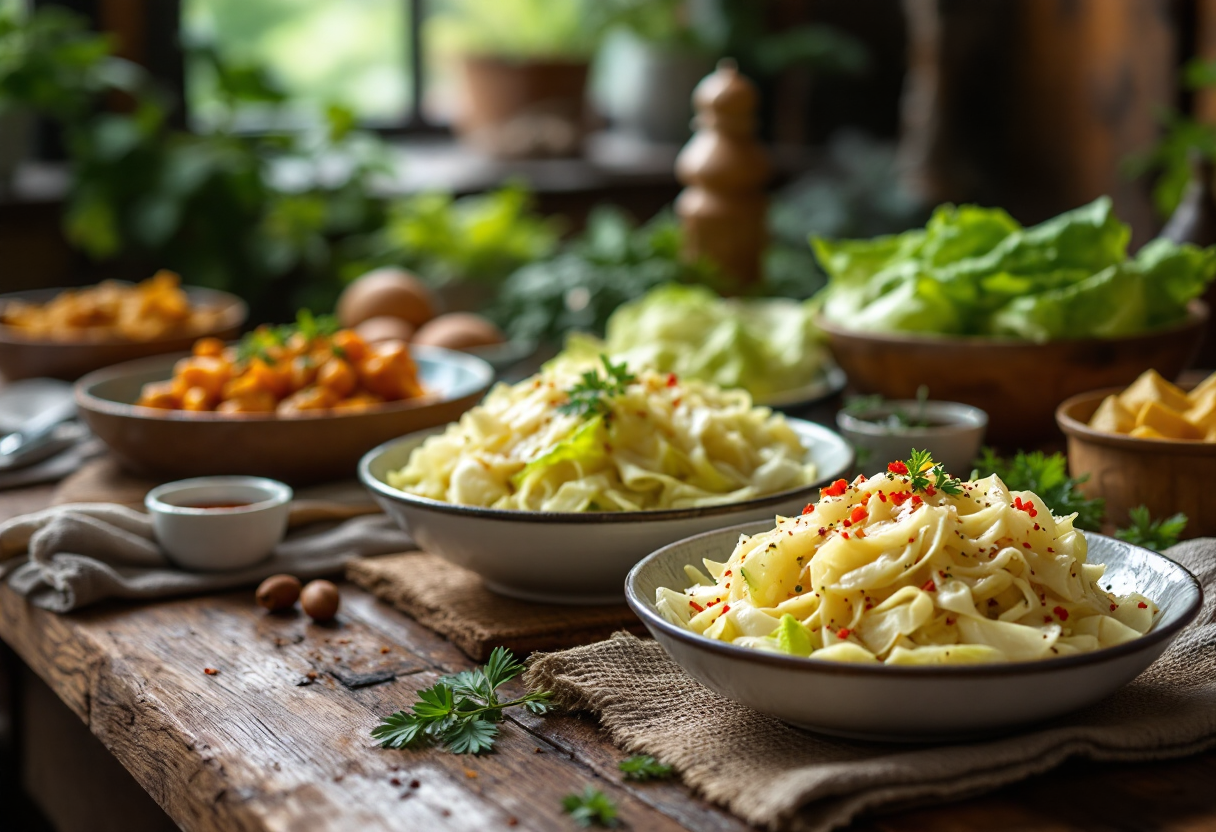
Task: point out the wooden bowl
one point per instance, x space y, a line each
22 357
1165 475
173 444
1019 384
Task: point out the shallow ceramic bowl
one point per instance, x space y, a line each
1166 475
570 557
954 436
170 444
22 357
876 702
1017 383
216 524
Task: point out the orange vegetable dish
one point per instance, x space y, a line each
288 371
149 311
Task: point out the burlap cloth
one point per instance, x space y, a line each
776 776
455 603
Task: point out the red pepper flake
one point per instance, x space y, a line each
931 491
847 522
911 539
1142 605
898 467
949 621
696 606
843 633
809 508
845 535
676 402
725 609
1025 545
916 500
899 497
1114 607
865 498
1053 551
835 489
858 514
882 496
1047 619
929 586
211 671
672 380
860 533
1061 613
727 573
822 531
1036 527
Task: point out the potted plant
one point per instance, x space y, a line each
523 72
883 430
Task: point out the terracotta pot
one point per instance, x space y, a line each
524 109
1019 384
1165 475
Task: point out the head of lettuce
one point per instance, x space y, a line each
976 271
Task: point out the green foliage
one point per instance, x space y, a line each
613 261
591 394
591 807
923 474
516 28
740 28
643 767
1046 476
482 237
460 712
664 22
1157 535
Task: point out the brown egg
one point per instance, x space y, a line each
459 331
389 291
320 599
385 328
278 592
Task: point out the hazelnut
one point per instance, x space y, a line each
278 592
320 600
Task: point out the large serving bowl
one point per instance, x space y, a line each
1017 383
1166 475
172 444
572 557
23 357
914 704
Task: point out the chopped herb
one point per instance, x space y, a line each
460 711
1046 476
260 342
1157 535
590 808
644 767
924 474
591 394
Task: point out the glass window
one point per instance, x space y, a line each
353 52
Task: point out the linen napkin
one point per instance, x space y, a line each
69 556
779 777
455 603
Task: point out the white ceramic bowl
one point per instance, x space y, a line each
954 439
914 704
570 557
219 539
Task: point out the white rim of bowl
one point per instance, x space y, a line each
277 493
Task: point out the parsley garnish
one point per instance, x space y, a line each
460 711
260 342
593 391
644 767
923 473
1149 533
590 807
1046 476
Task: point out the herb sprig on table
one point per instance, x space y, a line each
591 394
642 767
1047 476
591 807
1157 535
460 712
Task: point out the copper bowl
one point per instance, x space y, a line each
174 444
1166 475
22 357
1018 383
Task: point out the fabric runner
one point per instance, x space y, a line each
780 777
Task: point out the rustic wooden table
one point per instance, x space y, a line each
278 740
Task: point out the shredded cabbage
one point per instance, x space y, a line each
663 443
878 574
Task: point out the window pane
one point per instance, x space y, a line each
351 52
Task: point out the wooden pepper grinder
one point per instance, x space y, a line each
723 207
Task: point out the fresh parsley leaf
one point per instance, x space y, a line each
924 474
591 394
644 767
460 711
1157 535
1047 476
591 807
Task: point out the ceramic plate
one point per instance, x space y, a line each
915 704
567 557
